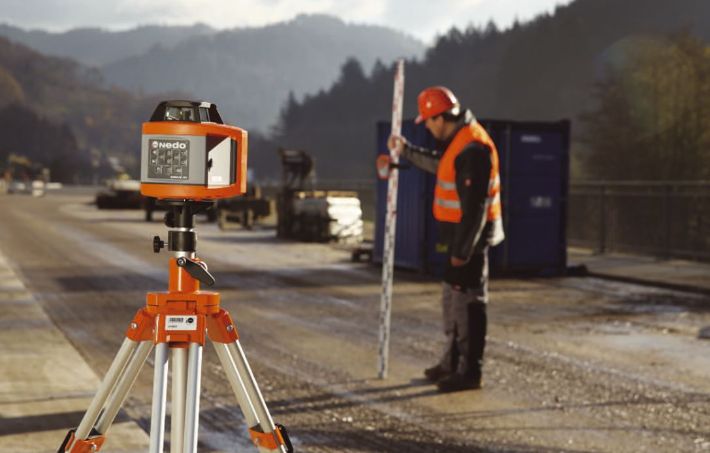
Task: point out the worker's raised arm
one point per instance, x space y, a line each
424 158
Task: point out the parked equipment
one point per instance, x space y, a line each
245 209
120 194
124 193
19 175
314 215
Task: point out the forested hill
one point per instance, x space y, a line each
542 70
56 113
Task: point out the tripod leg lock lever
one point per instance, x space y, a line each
284 437
196 270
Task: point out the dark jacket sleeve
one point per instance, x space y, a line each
424 158
473 169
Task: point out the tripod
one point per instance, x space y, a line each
178 322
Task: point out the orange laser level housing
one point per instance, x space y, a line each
187 153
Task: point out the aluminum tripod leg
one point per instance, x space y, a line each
244 385
160 383
192 402
179 390
128 378
112 376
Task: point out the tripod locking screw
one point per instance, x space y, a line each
157 244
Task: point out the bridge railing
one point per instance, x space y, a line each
669 219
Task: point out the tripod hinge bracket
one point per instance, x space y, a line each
221 328
273 440
141 326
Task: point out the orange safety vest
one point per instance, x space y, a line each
447 206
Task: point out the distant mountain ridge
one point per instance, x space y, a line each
248 72
97 47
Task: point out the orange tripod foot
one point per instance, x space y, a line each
90 445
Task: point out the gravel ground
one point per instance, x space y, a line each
572 364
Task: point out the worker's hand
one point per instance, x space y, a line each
457 262
396 143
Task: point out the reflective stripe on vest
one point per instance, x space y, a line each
446 185
448 203
447 206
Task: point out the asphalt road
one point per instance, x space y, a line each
572 364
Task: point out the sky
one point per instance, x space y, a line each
423 19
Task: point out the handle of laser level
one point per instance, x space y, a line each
241 138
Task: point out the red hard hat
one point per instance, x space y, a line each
435 101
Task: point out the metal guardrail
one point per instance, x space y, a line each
669 219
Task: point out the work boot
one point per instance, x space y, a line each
435 373
456 382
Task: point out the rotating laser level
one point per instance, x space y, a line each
189 157
187 152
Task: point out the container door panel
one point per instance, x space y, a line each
536 153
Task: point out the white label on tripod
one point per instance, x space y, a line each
181 323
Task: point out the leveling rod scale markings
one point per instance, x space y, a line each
390 225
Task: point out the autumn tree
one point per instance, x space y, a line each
652 120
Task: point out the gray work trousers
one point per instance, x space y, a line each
465 325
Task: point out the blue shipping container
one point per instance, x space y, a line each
534 166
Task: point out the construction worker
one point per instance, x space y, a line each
467 206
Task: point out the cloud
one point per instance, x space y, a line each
421 18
